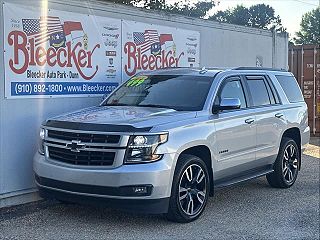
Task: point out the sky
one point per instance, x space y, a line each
290 11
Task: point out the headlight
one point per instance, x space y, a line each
141 149
42 135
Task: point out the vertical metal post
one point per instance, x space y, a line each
314 90
302 68
274 36
291 66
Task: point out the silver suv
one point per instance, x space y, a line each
164 140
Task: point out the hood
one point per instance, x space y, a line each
138 117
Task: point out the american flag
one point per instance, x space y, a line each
138 38
145 39
41 29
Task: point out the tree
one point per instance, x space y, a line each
309 28
184 7
127 2
259 16
187 8
239 15
155 4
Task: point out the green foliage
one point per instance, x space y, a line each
184 7
259 16
309 28
198 9
239 15
127 2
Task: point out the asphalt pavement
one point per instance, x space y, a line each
250 210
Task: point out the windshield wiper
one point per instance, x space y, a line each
116 104
154 105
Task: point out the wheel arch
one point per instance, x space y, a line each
203 152
294 134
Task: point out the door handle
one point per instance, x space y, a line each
249 120
279 115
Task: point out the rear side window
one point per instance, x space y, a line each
291 88
259 92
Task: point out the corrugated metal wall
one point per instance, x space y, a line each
222 45
304 63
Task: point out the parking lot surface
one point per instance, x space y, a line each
251 210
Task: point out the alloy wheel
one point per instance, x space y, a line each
192 190
290 163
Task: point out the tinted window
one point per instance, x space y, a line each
233 89
291 88
258 92
179 92
270 93
274 92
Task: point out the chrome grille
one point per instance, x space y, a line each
87 158
84 137
84 148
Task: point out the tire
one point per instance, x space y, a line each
190 189
286 166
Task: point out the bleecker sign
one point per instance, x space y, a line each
51 53
150 47
137 60
26 53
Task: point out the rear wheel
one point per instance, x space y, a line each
190 189
286 166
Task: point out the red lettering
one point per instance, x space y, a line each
137 61
178 59
130 50
51 55
139 57
82 55
90 56
158 62
144 62
18 48
152 61
59 52
171 61
38 55
40 52
164 59
31 44
72 55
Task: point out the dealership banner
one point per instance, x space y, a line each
52 53
150 47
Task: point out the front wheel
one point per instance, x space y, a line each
190 189
286 166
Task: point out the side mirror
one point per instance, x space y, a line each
227 104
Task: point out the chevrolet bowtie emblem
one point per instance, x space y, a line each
75 146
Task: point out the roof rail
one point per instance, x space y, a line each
260 68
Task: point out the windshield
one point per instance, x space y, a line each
179 92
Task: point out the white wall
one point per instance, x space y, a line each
222 45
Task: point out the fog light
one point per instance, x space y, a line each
140 190
136 190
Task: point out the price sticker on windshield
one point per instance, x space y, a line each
136 81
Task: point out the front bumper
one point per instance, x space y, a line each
152 206
105 185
